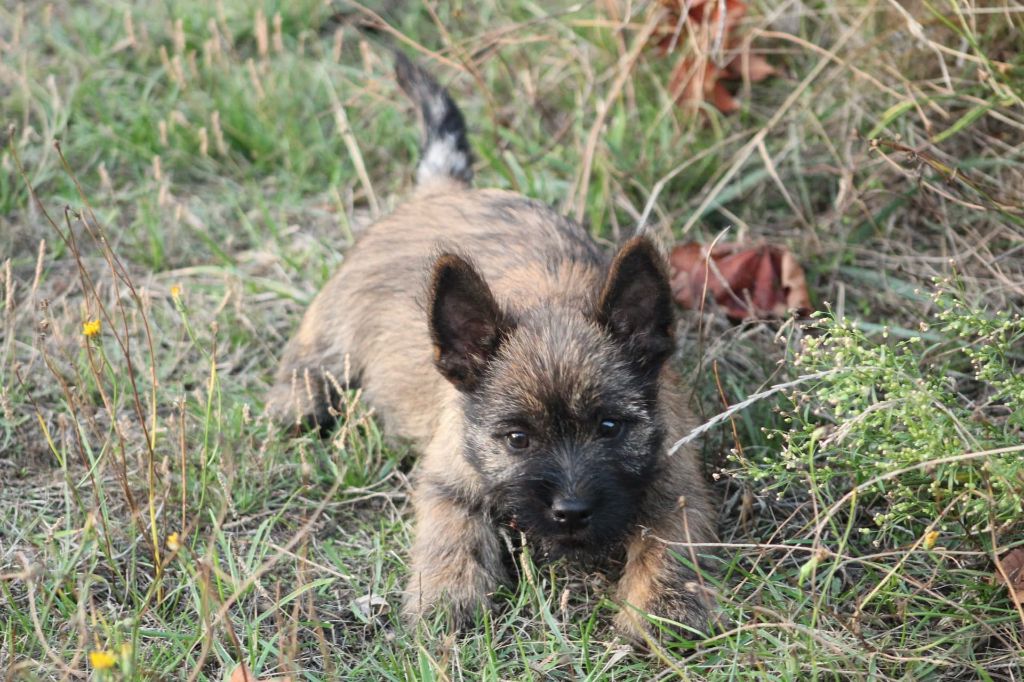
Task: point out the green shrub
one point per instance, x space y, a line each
925 432
898 481
914 443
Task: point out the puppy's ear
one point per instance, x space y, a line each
636 304
466 324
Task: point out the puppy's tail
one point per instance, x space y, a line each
446 153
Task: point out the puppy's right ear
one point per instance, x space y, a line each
466 324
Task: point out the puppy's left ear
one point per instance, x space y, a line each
636 304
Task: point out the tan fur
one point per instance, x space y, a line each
372 311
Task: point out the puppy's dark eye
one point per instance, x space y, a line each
609 428
517 440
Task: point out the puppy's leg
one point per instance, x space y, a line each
656 581
457 559
313 368
302 395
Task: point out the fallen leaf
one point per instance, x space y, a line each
700 35
752 67
722 99
1012 564
794 283
747 281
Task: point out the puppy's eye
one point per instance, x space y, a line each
517 440
609 428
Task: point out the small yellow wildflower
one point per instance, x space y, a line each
929 538
174 542
176 291
91 328
102 660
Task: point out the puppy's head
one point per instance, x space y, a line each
560 404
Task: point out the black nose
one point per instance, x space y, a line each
571 512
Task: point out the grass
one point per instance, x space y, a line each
202 192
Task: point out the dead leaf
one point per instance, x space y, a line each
697 78
752 67
1012 564
242 674
794 283
722 99
747 281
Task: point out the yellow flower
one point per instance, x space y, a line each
929 538
102 660
173 542
176 291
91 328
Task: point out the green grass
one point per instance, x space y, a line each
217 195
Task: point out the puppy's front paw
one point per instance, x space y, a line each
302 399
685 613
460 602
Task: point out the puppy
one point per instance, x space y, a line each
529 370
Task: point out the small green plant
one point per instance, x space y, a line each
905 459
926 433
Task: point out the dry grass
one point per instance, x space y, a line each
227 155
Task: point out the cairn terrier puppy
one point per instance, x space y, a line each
528 368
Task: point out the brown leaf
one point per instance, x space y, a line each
747 281
1012 564
765 292
794 283
733 271
752 67
710 13
723 100
696 78
688 80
